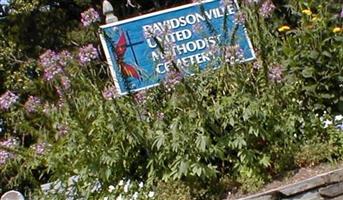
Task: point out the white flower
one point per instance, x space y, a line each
141 184
338 117
120 198
327 123
127 186
151 194
111 188
121 183
105 198
135 196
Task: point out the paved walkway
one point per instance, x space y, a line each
321 187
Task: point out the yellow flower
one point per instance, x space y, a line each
307 12
283 28
337 30
315 18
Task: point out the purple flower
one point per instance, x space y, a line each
140 97
225 2
53 63
169 57
239 18
341 15
161 33
61 101
257 65
233 54
40 148
213 51
251 1
87 54
65 81
172 78
149 33
64 57
49 108
5 155
89 16
32 104
197 27
275 74
110 93
160 115
62 129
267 8
52 71
49 58
7 99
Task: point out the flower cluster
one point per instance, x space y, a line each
140 97
4 155
197 27
51 72
87 54
267 8
160 115
213 51
110 93
329 121
40 148
257 65
64 57
53 63
233 54
89 16
129 190
153 33
48 58
62 129
65 82
172 78
239 18
251 1
226 2
275 74
7 99
32 104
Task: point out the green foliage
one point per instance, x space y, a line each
218 129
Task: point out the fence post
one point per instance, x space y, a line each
107 10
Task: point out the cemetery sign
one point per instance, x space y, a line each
141 50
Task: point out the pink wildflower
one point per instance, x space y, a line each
89 16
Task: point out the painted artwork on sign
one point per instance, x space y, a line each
141 50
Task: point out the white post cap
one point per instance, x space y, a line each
12 195
107 10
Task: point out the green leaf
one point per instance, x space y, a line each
327 54
308 72
159 140
183 168
202 142
265 161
